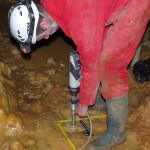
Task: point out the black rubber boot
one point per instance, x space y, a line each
117 114
100 104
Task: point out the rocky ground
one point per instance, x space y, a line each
34 94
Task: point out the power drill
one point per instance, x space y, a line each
74 81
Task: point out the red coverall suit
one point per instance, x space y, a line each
104 52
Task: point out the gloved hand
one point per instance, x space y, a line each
81 110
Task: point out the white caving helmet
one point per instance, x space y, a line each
23 19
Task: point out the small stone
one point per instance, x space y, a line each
62 65
50 71
48 86
16 145
41 77
51 61
36 106
28 141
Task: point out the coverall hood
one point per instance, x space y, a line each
59 10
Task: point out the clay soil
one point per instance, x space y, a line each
41 80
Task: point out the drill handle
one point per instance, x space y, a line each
74 73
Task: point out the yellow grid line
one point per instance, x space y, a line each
93 117
65 134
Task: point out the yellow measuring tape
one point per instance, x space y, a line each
65 134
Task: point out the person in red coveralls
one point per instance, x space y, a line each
106 34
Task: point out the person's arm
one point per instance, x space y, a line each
84 23
86 30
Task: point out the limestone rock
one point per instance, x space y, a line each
8 95
13 125
3 117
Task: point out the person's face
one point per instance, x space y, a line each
46 26
49 30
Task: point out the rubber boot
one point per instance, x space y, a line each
117 114
100 104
